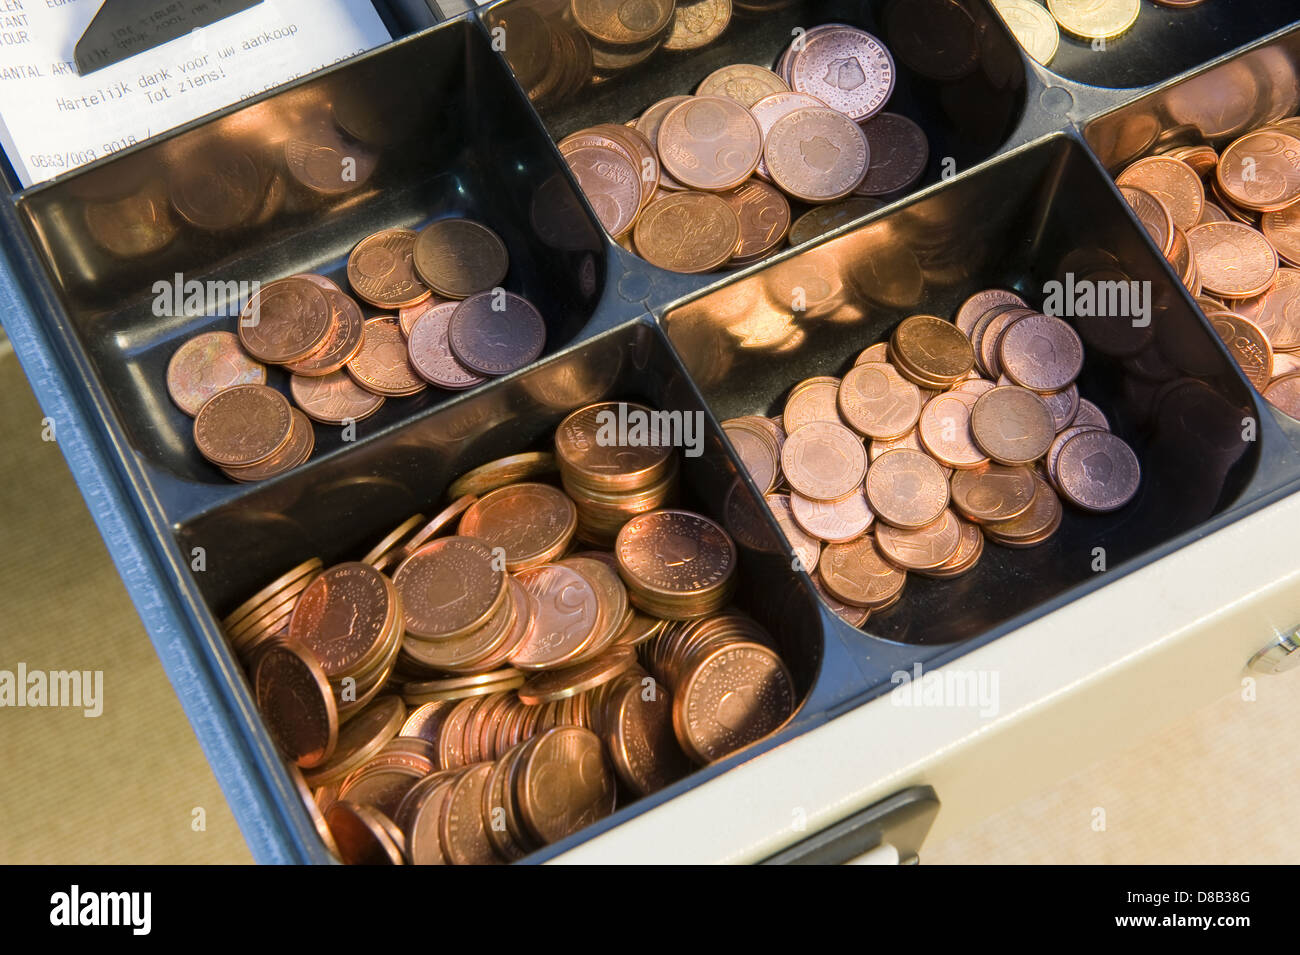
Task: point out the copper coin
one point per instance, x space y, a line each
1153 214
994 492
347 328
495 333
879 446
297 704
1012 425
388 543
334 398
757 450
970 547
381 269
1282 229
639 735
444 518
742 82
1285 364
736 695
879 352
1035 525
1041 353
1283 393
285 320
344 617
944 430
1212 213
710 143
847 69
816 154
813 399
503 471
423 841
922 548
853 616
584 448
449 587
408 315
987 336
820 220
363 834
568 614
907 489
243 425
1054 452
1233 259
281 584
216 187
462 828
1174 183
772 107
565 784
1247 344
325 162
878 402
688 232
764 216
206 364
610 181
935 352
1098 471
648 126
858 575
899 153
477 648
1089 413
675 553
833 521
133 226
458 257
295 451
644 156
1063 404
429 350
360 738
531 523
561 684
382 365
1261 170
614 23
824 461
697 23
806 546
1277 311
1094 20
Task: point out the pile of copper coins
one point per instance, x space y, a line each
454 328
950 433
1038 28
1229 223
479 685
698 183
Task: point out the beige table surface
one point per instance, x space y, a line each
124 787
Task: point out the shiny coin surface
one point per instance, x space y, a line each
833 521
429 350
382 366
449 587
876 401
806 547
1174 183
243 425
297 704
711 143
857 574
1233 259
530 523
824 461
567 617
816 154
945 432
923 548
285 320
206 364
1041 353
334 398
847 69
345 617
495 333
1261 170
742 82
688 232
907 489
503 471
1012 425
381 270
1094 19
1033 27
898 153
459 257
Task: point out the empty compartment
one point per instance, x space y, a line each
1040 215
958 73
427 128
339 509
1165 41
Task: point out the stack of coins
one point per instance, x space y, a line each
454 328
265 615
350 616
1228 222
702 182
974 429
504 638
609 479
702 662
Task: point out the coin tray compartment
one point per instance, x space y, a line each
960 75
1166 41
437 110
338 510
1017 224
1214 105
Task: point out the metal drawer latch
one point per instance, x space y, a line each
1280 655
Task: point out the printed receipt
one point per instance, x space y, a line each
52 120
